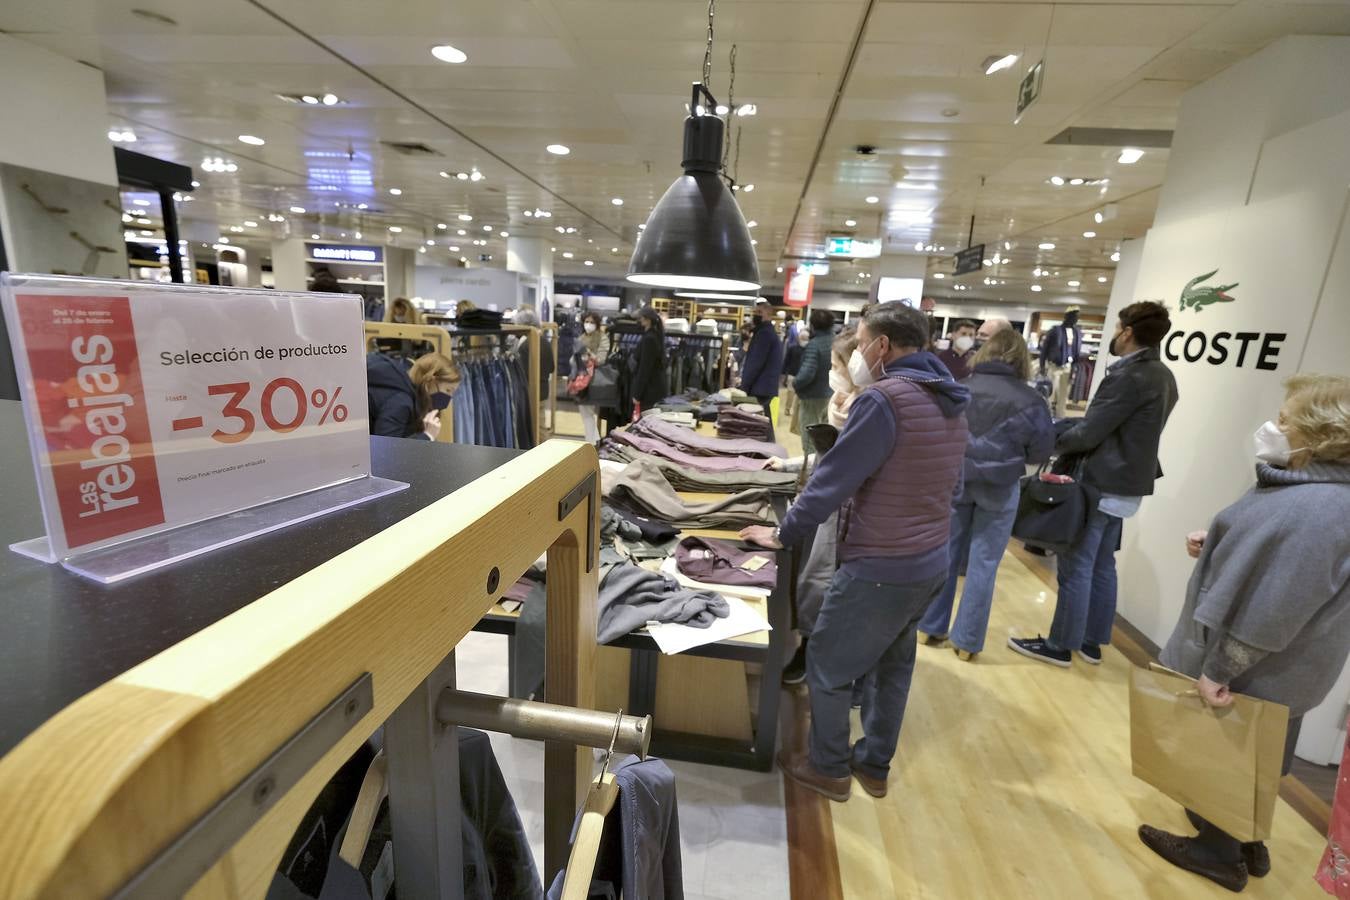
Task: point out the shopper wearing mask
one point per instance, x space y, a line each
1010 428
893 471
1267 612
408 403
402 312
1063 345
792 361
957 357
649 362
813 377
1117 444
818 570
591 349
763 360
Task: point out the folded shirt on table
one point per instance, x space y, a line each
643 489
717 561
733 422
651 446
687 478
698 444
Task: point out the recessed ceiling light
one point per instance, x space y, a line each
1057 180
642 226
487 227
939 276
1036 288
396 191
1089 234
747 109
850 223
249 223
454 249
1098 217
504 233
1130 155
748 188
314 236
558 149
431 243
309 98
871 199
251 139
476 175
360 206
297 209
588 263
357 235
465 217
1045 245
722 109
395 229
1101 279
446 53
994 64
567 254
613 249
462 176
140 202
421 249
1073 283
331 99
442 226
1115 257
751 224
1075 181
617 201
461 232
444 174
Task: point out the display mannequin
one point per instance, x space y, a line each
1061 347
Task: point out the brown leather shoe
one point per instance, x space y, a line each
800 770
1181 852
875 786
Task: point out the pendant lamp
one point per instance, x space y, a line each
696 237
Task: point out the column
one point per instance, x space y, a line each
532 257
399 275
899 276
288 264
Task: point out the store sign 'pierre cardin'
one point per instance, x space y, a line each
1221 348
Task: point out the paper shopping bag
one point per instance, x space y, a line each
1223 764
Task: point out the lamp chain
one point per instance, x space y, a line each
731 104
707 54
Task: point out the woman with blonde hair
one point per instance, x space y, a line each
1267 611
1010 428
402 312
408 402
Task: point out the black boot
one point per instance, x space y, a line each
1254 853
795 671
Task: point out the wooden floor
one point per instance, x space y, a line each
1013 780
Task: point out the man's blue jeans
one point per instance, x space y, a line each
982 522
865 628
1087 586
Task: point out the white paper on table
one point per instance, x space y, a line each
670 568
674 638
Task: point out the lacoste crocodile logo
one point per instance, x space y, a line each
1197 296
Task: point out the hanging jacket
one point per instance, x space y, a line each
763 362
813 377
392 399
1010 426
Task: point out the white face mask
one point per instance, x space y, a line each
1272 445
859 370
590 327
964 343
839 383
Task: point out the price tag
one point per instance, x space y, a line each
754 563
150 407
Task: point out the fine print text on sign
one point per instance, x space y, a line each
154 407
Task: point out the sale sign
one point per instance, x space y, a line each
150 407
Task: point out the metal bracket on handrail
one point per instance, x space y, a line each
546 721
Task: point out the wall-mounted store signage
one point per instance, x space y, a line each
969 260
346 253
843 245
908 291
1029 91
151 407
797 289
818 269
1218 348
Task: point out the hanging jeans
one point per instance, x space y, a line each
982 522
1086 609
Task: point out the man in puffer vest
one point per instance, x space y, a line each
893 472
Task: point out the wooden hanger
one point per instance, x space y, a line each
374 788
586 846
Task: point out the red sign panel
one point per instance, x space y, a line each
91 409
797 289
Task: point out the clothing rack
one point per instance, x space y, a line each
474 338
192 771
627 335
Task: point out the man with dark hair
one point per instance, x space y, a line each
812 382
1114 449
1062 346
894 470
763 364
959 357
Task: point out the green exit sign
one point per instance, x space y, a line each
1030 89
839 246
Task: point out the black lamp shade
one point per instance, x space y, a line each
696 237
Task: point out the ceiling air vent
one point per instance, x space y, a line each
1114 137
411 148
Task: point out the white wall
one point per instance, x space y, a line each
487 288
1257 189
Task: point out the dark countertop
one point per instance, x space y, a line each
61 636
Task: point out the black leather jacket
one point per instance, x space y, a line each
1123 426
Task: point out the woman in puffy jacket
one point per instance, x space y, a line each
1010 428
